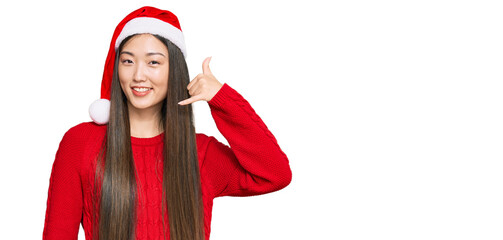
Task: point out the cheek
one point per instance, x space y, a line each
125 76
161 78
160 73
162 85
121 74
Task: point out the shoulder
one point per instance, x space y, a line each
202 140
81 140
77 143
84 131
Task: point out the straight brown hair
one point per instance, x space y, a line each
115 197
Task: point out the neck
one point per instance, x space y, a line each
144 123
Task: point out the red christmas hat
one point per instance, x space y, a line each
143 20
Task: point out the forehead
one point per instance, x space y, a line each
143 43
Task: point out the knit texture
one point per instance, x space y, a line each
252 164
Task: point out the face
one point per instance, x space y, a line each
143 72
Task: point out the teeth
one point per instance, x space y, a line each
141 89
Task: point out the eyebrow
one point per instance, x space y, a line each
148 54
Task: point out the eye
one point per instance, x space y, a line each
127 61
154 62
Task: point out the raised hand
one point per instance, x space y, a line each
204 86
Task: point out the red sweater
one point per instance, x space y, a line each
254 164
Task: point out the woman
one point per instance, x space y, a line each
139 170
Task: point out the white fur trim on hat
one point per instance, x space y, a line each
154 26
100 111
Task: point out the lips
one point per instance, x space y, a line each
142 93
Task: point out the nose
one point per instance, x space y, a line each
140 74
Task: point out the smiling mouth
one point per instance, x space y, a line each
141 91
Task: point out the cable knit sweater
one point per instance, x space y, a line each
253 164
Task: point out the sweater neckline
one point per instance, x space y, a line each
147 141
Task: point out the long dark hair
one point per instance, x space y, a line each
115 195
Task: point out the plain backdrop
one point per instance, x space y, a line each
390 111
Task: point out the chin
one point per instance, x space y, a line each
141 106
144 104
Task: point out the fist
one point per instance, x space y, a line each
204 86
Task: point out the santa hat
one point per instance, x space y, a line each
143 20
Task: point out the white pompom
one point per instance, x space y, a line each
100 111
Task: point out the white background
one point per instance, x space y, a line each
390 111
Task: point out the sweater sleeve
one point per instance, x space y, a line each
65 201
254 164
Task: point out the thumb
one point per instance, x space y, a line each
206 66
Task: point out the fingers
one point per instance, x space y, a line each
206 66
196 87
194 80
195 90
190 100
206 70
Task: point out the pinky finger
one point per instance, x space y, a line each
190 100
